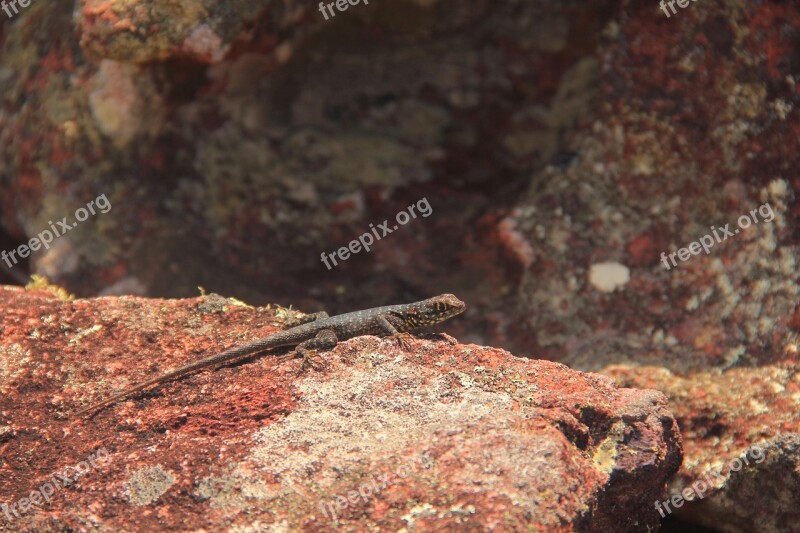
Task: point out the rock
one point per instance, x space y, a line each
690 183
608 276
445 436
145 31
741 434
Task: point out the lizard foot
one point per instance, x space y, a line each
405 340
310 359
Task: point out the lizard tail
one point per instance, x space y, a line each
136 388
234 354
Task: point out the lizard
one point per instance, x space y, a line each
318 331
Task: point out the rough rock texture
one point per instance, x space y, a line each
201 30
444 437
721 415
696 126
674 151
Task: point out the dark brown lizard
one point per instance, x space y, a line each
318 331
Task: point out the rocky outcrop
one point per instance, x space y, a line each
741 432
445 436
664 254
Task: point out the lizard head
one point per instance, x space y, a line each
438 309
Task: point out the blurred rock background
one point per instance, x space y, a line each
238 143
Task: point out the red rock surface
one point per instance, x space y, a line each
723 415
447 436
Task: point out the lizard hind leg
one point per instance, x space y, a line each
305 319
324 340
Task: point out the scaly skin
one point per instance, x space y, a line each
320 332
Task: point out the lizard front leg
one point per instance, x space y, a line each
403 339
324 340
